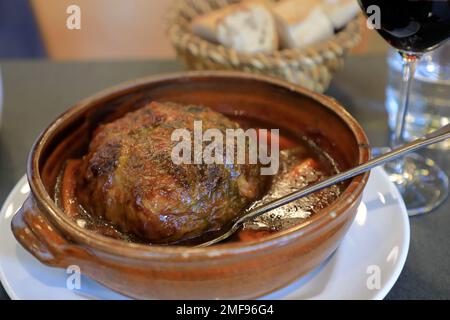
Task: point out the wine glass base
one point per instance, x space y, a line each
422 184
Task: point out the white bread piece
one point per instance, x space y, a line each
340 12
302 23
247 27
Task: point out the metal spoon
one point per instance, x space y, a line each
431 138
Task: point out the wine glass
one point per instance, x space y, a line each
413 27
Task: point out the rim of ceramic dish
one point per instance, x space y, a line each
121 248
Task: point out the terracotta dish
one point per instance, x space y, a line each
235 270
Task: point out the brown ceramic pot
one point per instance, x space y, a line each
231 270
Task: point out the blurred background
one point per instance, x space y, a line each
111 29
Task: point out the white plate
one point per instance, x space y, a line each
365 266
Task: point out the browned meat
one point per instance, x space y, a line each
129 179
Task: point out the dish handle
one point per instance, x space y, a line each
39 237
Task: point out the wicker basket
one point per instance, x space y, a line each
311 67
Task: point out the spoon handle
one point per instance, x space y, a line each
431 138
434 137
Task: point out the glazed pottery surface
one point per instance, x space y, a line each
230 270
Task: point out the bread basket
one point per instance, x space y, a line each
311 67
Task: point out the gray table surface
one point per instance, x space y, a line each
37 91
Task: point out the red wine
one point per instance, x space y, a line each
412 25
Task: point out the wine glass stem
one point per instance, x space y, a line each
409 68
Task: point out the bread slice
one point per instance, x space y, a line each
247 27
302 23
340 12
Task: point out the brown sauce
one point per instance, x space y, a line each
301 163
